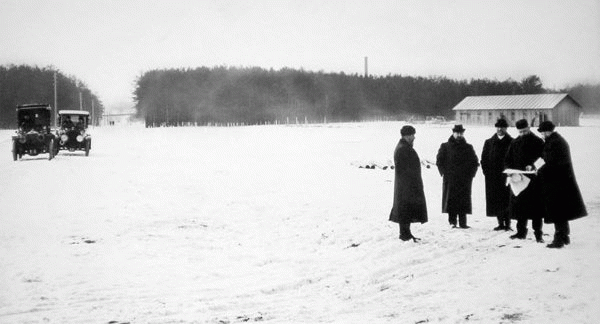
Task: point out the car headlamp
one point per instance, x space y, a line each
79 138
64 137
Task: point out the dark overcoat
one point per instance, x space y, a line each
492 165
409 198
457 163
523 151
560 191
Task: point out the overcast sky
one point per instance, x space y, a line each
107 44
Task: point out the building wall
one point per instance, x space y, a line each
489 117
566 113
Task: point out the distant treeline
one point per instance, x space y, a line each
25 84
254 95
587 96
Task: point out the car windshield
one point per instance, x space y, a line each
33 119
70 121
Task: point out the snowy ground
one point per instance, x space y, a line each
273 224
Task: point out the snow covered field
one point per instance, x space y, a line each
274 224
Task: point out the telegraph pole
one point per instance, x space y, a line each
55 104
80 102
93 112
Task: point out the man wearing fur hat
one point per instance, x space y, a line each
522 154
409 198
457 164
561 195
492 166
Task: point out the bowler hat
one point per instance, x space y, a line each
458 129
546 126
407 130
522 123
501 123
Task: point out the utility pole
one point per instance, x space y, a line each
55 104
366 67
93 112
80 102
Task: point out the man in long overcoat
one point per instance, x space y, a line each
409 198
522 154
492 166
457 164
560 192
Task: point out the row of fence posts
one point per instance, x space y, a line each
287 121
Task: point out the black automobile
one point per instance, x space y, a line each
72 134
34 135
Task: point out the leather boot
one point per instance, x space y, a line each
452 220
405 233
538 238
557 243
500 226
520 235
462 221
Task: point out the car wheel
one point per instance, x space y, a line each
14 150
87 147
51 150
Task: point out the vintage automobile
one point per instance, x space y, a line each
72 134
34 135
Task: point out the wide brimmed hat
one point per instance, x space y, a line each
407 130
501 123
522 124
458 129
546 126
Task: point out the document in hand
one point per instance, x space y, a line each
516 171
518 182
539 163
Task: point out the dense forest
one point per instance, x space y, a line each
25 84
223 95
230 95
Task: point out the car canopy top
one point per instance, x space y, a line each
74 112
34 107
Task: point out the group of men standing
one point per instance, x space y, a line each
546 194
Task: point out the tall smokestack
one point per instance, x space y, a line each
366 67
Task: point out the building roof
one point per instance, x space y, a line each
532 101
